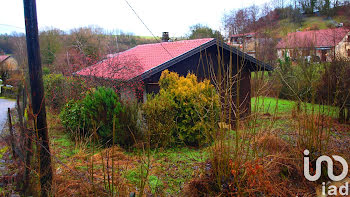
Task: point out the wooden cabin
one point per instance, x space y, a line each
204 57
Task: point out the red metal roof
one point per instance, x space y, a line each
315 38
135 61
3 57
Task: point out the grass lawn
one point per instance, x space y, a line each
11 99
271 105
171 168
286 26
316 22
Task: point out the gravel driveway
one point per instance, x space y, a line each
4 104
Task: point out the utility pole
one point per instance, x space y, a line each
37 95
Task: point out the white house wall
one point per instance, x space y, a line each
343 47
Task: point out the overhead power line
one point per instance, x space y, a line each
12 26
147 28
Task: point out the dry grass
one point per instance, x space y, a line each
279 170
73 162
74 179
277 173
271 143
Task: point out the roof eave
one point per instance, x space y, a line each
5 58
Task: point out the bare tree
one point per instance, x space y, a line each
237 21
253 12
20 53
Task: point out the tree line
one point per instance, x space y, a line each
250 19
66 52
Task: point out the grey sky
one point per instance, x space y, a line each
159 15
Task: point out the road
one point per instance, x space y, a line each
4 104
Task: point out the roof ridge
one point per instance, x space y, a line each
121 52
318 30
158 43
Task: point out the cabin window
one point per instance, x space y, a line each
348 52
348 38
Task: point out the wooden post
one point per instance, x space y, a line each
25 142
28 154
37 95
11 134
21 125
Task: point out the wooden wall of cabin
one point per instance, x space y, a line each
205 62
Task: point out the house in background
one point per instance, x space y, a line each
10 75
246 42
8 68
323 45
7 62
146 63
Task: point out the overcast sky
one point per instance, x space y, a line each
159 15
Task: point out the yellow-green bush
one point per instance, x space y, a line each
192 106
159 112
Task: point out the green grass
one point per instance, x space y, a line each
286 26
147 37
183 154
11 99
272 105
134 176
3 151
177 166
65 145
170 169
155 183
319 22
259 74
340 19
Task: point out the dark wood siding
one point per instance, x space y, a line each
201 64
